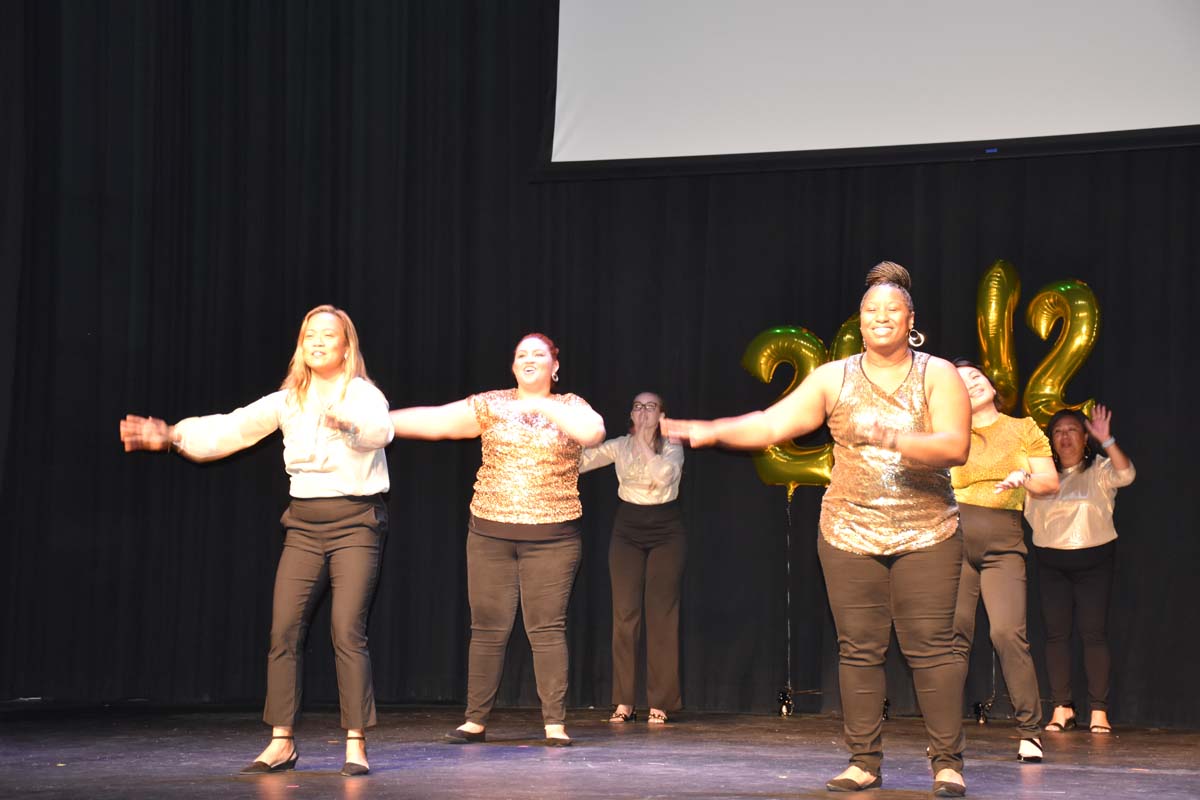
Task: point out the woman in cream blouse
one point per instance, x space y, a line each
645 558
335 425
1075 543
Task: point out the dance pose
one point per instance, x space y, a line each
1075 543
523 539
645 558
1009 459
890 544
335 425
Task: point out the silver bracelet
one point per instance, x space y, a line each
1107 443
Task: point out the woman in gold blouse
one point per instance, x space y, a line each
890 545
1009 458
523 540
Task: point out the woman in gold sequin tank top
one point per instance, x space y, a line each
890 545
523 536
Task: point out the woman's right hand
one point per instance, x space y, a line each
696 432
145 433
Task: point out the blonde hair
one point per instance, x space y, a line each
299 376
889 273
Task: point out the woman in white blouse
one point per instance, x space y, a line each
645 559
335 425
1075 541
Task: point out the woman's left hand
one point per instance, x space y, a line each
1015 479
330 419
875 435
1099 427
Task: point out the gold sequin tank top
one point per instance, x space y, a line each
878 502
530 470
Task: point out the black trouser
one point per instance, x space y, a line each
916 591
645 560
994 566
1078 581
337 542
539 575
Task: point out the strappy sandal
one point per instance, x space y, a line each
656 718
617 716
1101 729
1070 724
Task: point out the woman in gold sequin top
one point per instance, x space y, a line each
890 545
523 537
1010 457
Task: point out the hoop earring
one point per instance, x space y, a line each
915 337
554 377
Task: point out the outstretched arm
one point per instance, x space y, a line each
452 421
577 420
205 438
799 413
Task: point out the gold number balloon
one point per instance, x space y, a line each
788 464
995 304
1075 305
848 340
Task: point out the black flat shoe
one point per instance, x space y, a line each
949 789
458 736
554 741
263 768
352 769
851 785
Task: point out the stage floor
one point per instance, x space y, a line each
194 754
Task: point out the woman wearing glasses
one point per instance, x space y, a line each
645 558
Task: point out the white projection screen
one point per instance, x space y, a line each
650 79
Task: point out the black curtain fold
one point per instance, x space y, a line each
183 180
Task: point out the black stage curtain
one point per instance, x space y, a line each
183 180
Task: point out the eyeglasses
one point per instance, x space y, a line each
645 406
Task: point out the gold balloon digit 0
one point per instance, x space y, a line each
995 305
1074 303
788 464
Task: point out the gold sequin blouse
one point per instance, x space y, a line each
996 450
530 470
878 502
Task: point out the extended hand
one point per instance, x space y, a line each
144 433
697 432
1015 478
1100 425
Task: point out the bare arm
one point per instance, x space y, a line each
452 421
949 441
1100 428
1041 480
580 422
797 414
